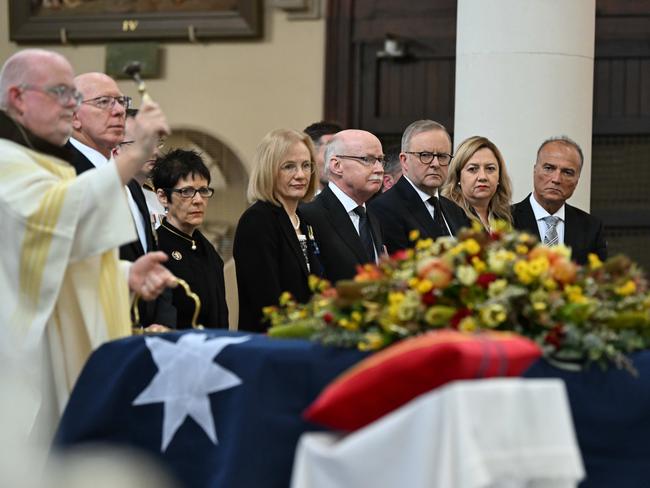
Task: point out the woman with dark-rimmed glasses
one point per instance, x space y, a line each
274 247
182 184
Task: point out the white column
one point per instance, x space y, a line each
524 72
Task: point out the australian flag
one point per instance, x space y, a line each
219 409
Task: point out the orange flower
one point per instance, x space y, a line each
368 272
436 271
564 271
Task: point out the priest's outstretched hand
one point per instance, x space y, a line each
148 277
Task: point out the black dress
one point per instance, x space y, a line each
269 260
202 269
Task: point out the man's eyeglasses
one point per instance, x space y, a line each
64 94
291 168
160 145
189 192
365 160
107 102
427 157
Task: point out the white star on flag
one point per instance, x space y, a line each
186 376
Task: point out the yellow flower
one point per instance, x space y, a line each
628 288
472 247
395 297
492 315
466 275
594 261
523 273
414 235
456 250
356 316
497 287
348 324
550 284
312 281
424 286
574 294
423 244
539 306
285 298
413 282
538 266
479 265
371 342
393 312
468 324
521 249
477 226
500 226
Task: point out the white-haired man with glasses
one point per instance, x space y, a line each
346 233
64 290
414 203
98 124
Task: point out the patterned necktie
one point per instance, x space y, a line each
438 220
551 238
365 233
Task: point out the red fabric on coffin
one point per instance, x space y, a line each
394 376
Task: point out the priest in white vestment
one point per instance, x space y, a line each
64 292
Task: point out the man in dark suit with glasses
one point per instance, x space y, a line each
414 203
346 232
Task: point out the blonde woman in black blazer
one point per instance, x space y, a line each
274 249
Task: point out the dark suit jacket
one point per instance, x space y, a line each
582 232
269 261
80 162
401 210
159 311
133 250
340 246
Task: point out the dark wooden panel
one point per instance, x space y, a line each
339 62
397 92
388 94
622 7
644 98
632 87
623 28
413 8
601 87
617 94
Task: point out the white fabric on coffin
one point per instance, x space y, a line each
493 433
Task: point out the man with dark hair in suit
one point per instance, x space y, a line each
546 214
346 232
99 127
321 133
392 167
413 203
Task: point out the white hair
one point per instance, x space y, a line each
333 147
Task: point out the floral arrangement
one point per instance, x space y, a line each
500 281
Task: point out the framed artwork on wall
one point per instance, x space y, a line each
73 21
